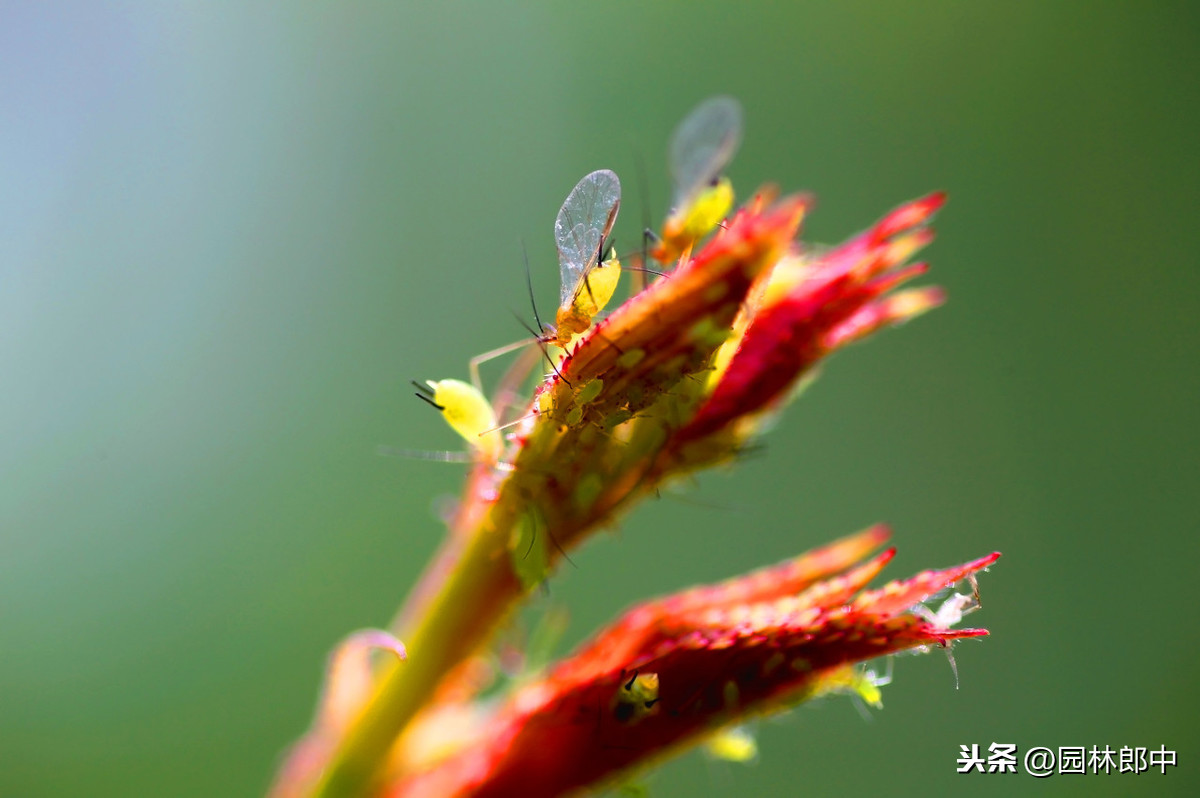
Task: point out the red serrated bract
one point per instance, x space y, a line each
717 654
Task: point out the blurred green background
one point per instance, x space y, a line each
230 236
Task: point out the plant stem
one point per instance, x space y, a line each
477 591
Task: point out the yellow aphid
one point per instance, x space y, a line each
580 231
868 690
705 213
733 744
701 148
593 294
860 681
636 698
469 414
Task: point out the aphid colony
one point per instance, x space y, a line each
701 148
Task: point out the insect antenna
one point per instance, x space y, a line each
558 546
540 335
533 303
541 341
641 269
648 235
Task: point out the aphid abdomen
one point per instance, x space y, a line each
469 414
595 291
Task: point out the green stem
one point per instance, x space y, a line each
474 596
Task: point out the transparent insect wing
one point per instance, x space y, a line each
583 222
703 145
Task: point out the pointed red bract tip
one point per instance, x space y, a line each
910 214
898 597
